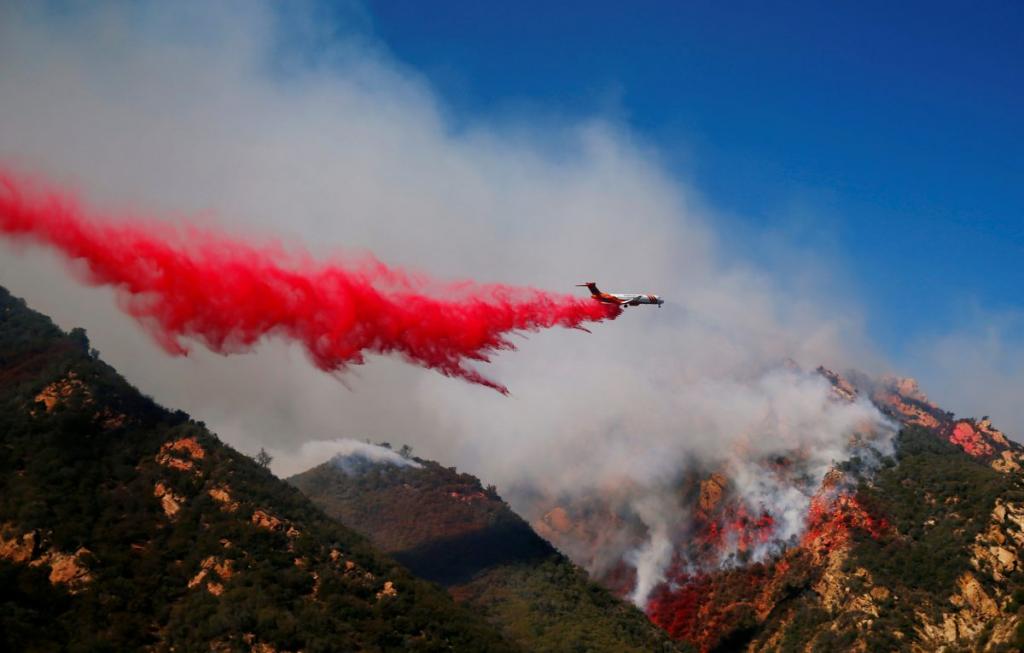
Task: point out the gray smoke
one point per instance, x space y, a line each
196 111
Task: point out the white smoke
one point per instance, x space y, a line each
977 368
741 427
652 558
346 453
199 110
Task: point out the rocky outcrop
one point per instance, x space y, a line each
903 399
997 551
70 570
213 572
222 495
62 390
973 611
20 549
268 522
182 455
1008 461
388 591
711 490
977 607
971 440
169 501
842 389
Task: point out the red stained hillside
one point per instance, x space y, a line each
969 439
831 523
736 527
708 608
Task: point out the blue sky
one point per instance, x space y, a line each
886 136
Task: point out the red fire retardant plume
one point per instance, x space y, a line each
229 294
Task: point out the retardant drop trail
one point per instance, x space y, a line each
228 294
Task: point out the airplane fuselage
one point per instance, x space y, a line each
622 299
635 299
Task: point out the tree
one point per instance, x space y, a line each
405 451
263 459
79 337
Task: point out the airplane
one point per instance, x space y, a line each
621 299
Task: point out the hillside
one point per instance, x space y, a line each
920 550
447 527
125 526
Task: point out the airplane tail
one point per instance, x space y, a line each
592 286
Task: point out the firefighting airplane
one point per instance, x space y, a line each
621 299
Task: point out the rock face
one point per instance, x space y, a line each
181 454
222 495
32 549
901 398
170 502
711 490
69 569
60 391
971 440
213 572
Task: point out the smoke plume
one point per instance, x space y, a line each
229 295
227 107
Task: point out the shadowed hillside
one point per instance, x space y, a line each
446 527
125 526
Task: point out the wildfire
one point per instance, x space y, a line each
831 522
738 528
677 609
703 607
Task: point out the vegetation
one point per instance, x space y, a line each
937 500
263 459
89 473
81 476
447 527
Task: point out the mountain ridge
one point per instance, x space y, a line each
127 526
447 527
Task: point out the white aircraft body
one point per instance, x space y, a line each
621 299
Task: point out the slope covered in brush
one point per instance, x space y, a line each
931 561
916 548
126 526
447 527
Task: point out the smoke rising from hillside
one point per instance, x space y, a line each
349 455
229 295
201 110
